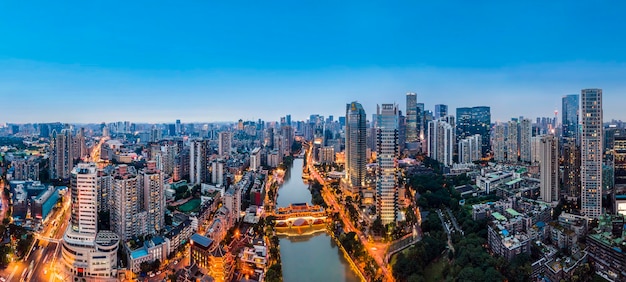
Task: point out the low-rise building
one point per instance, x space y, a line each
607 247
156 248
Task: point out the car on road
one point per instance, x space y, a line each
151 274
158 272
175 262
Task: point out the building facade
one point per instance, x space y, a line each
549 166
591 153
356 133
387 159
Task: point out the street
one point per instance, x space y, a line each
375 250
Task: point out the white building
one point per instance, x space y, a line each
470 149
498 143
197 162
386 158
87 254
154 198
441 140
255 159
591 152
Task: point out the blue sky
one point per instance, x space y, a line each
156 61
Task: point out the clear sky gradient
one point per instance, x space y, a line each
157 61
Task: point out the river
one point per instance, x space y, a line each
309 257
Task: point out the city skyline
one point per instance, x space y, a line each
220 68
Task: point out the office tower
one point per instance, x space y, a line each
441 110
84 199
569 116
386 157
470 149
179 128
475 120
198 161
498 143
619 161
441 140
61 158
288 119
356 133
420 121
512 146
549 166
87 252
412 134
225 143
526 132
127 219
401 131
153 197
591 152
571 167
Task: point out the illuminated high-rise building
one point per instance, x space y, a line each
412 134
475 120
387 158
591 153
61 157
356 133
441 110
570 115
87 253
441 140
151 182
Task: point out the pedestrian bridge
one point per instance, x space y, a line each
300 215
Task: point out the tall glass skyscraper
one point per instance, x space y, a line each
387 159
475 120
591 153
412 135
441 110
356 134
570 116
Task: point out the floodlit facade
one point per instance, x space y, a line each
387 159
591 153
86 253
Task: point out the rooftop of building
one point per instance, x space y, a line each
201 240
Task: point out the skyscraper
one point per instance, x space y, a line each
470 149
87 252
498 144
127 218
225 143
151 182
569 114
420 121
386 157
512 146
526 132
412 134
198 161
571 167
591 152
441 140
61 158
475 120
441 110
549 165
356 133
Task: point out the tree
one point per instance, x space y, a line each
377 226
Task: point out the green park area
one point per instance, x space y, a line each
189 206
